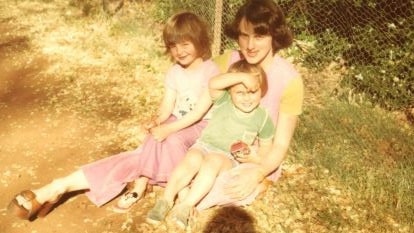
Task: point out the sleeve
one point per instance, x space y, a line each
211 70
222 98
292 97
223 61
170 80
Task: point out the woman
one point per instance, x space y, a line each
261 31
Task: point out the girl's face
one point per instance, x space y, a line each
185 54
256 49
245 100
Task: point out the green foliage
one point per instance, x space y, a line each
365 150
166 8
373 39
388 79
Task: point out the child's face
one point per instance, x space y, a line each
245 100
184 53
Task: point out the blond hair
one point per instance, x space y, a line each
245 67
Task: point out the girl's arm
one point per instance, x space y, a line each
219 83
167 105
202 106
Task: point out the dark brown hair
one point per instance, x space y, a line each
187 26
267 18
245 67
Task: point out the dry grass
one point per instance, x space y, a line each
105 73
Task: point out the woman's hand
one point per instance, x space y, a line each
244 181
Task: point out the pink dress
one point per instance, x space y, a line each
156 160
279 75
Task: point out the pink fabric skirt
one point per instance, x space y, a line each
156 160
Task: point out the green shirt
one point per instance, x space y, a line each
228 125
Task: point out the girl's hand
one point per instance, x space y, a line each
151 124
250 81
161 132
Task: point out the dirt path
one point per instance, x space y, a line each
72 91
39 142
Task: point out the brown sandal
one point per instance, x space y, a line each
35 209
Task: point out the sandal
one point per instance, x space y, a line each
17 207
126 201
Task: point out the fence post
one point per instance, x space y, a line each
218 17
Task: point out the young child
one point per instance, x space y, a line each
175 129
236 116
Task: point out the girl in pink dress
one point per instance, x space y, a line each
180 119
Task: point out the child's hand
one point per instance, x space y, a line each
239 149
151 124
243 153
251 157
160 132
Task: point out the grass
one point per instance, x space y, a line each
368 155
350 169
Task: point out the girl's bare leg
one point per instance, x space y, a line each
72 182
133 195
140 185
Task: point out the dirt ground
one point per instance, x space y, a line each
39 142
74 88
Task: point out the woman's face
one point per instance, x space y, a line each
185 53
256 49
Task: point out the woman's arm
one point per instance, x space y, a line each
257 156
246 180
285 129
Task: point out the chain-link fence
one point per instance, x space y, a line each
373 39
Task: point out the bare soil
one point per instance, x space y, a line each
43 136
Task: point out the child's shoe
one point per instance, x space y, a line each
158 212
181 214
125 202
